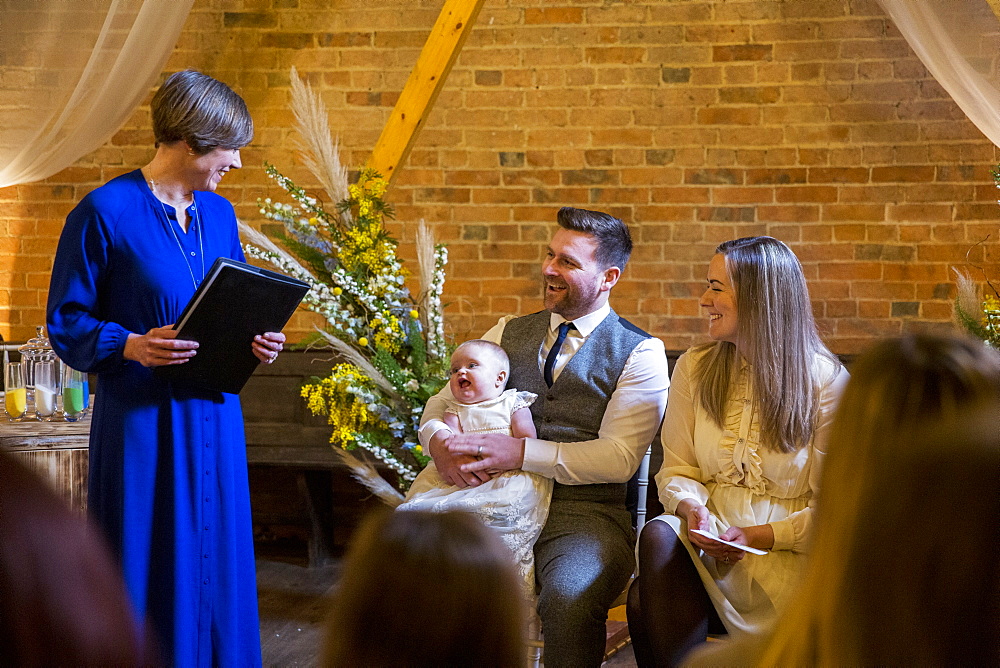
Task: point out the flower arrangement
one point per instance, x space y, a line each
976 312
392 347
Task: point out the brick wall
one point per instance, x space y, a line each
695 121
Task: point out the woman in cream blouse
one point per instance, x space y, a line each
743 439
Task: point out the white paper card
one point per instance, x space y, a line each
745 548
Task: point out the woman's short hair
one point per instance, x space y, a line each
778 337
904 567
202 111
426 589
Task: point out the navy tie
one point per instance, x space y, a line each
550 360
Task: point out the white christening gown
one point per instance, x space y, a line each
515 504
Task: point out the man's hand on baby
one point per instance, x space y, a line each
455 474
493 453
449 465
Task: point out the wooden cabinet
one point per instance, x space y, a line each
56 451
299 489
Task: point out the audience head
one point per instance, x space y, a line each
203 112
63 600
427 589
905 567
758 307
479 371
614 242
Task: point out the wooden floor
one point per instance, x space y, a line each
293 602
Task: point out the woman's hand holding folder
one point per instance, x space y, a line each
160 347
266 346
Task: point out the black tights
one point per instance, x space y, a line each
669 612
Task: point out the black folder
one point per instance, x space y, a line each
234 303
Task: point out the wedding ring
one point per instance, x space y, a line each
479 452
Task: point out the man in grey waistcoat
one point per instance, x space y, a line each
602 388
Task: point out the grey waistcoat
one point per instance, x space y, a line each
572 409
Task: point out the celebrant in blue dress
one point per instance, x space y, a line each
168 474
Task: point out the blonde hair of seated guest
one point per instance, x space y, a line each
905 564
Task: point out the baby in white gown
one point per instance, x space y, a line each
515 504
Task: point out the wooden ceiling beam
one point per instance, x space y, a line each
442 47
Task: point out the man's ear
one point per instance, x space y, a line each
611 276
501 378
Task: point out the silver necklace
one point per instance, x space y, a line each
197 222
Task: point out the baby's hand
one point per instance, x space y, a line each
453 423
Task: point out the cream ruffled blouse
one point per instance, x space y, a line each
743 483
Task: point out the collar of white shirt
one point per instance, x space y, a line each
584 324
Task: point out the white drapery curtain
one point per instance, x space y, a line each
958 41
71 72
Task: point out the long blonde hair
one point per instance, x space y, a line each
904 567
778 337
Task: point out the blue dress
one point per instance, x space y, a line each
168 473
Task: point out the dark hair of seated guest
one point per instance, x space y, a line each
62 600
426 589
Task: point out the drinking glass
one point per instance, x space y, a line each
46 389
16 393
75 393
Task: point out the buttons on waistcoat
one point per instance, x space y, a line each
550 397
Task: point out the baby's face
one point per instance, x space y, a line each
475 375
